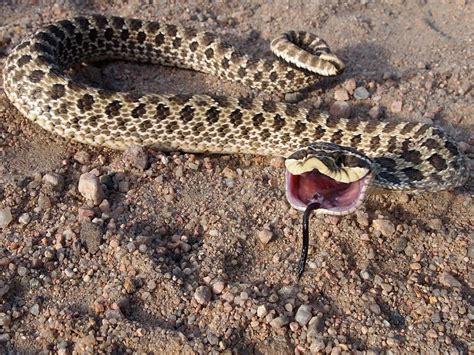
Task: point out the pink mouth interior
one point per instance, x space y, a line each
338 197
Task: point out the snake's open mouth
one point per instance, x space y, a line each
338 192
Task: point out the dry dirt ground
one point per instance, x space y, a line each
174 260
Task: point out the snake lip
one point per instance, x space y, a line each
336 198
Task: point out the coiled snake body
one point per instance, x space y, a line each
406 155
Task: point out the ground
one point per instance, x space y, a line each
175 259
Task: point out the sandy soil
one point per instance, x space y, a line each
174 261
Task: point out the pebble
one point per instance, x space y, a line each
361 93
384 226
303 314
218 287
68 272
432 334
5 217
396 106
82 157
90 188
136 156
203 295
279 322
375 112
35 309
25 218
448 280
54 180
350 85
5 337
22 271
44 202
265 236
435 224
340 109
317 346
400 244
262 311
293 97
315 327
341 94
375 308
91 236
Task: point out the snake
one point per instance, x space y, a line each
330 161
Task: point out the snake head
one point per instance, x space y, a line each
335 176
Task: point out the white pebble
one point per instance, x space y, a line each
90 188
5 217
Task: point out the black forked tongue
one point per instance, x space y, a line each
304 251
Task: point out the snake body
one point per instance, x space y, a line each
407 155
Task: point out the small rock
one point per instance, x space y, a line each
315 328
375 112
90 188
135 156
317 346
262 311
25 218
91 236
265 236
448 280
277 162
35 309
340 109
396 106
350 85
203 295
5 217
4 337
22 271
435 224
82 157
375 308
415 266
432 334
361 93
279 322
68 272
303 315
218 287
341 94
44 202
293 97
400 244
55 180
384 226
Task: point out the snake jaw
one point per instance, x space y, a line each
335 177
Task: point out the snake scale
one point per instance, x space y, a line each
406 155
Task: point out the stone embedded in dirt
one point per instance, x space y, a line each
218 287
90 188
448 280
435 224
56 181
279 322
317 346
25 218
384 226
44 202
265 236
361 93
35 309
375 112
396 106
262 311
341 94
203 295
350 85
82 157
136 156
340 109
91 236
5 217
303 315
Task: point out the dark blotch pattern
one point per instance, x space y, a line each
186 114
236 118
300 127
57 91
141 37
85 103
162 112
24 59
113 109
438 162
412 156
387 177
258 119
278 122
269 106
135 25
109 34
413 174
36 76
212 115
139 111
